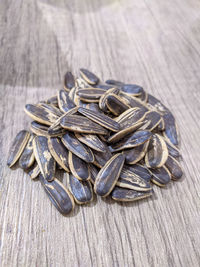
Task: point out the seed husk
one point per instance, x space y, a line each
132 140
108 175
101 157
90 94
103 86
52 109
43 157
41 114
151 120
81 190
59 152
78 167
171 130
27 158
39 129
53 101
17 147
69 81
114 82
135 154
160 176
77 123
88 76
100 119
123 194
157 153
93 173
59 195
140 170
115 104
92 141
172 149
154 104
76 147
133 89
34 171
174 167
130 117
131 180
64 101
103 98
132 101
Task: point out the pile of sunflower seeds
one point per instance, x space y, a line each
111 138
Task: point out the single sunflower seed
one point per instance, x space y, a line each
132 89
34 171
115 104
108 175
27 158
135 154
103 98
90 94
160 176
64 102
92 141
88 76
127 195
17 147
174 167
69 81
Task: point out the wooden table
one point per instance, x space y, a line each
152 43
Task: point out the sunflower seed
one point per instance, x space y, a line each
173 150
41 114
151 120
34 171
59 195
114 82
91 141
43 157
53 101
17 147
78 167
143 96
108 175
132 140
140 170
155 104
103 86
93 173
103 98
132 101
157 153
90 94
131 180
52 109
64 101
123 194
69 81
81 190
59 152
174 167
88 76
133 89
27 158
160 176
39 129
171 130
81 124
115 104
161 125
100 119
131 116
135 154
76 147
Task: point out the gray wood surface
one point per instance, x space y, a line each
152 43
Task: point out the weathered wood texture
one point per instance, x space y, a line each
152 43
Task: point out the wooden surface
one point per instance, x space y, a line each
152 43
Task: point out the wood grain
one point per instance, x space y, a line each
152 43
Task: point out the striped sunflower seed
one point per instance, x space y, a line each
17 147
59 152
69 81
27 158
103 86
77 123
108 175
90 94
131 116
132 140
140 170
115 104
123 194
157 153
151 120
53 101
174 167
52 109
59 195
135 154
81 190
39 129
160 176
41 114
132 89
64 102
173 150
143 96
78 167
100 119
114 82
92 141
171 129
103 98
132 101
101 157
93 173
131 180
76 147
34 171
88 76
43 157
